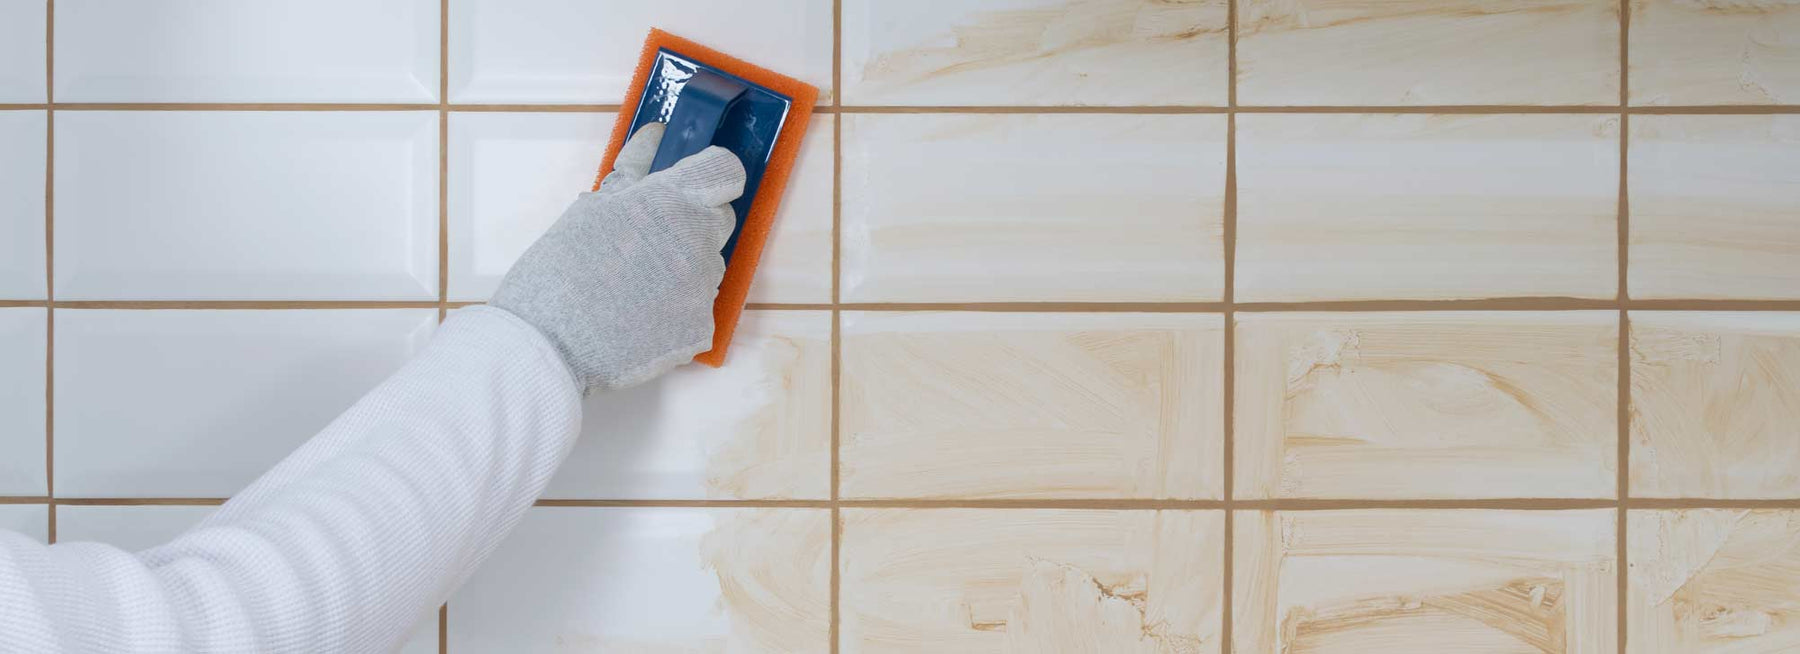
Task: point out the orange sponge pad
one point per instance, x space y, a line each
761 218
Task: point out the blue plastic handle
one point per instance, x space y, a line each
703 104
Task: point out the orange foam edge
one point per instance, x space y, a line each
733 291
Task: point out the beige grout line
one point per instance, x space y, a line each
1113 504
443 307
835 617
935 109
1623 355
50 268
242 106
225 305
1228 534
1491 304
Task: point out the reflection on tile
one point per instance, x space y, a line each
1030 580
1427 405
199 403
989 208
758 428
22 359
22 51
512 175
584 51
1423 52
652 580
1035 52
1715 207
1687 52
266 205
22 214
1425 581
266 51
1715 398
33 520
1421 206
1714 581
1032 405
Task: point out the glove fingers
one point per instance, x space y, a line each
633 162
723 223
712 177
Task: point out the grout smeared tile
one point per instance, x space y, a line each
1714 581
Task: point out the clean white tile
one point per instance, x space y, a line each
1035 52
511 176
179 403
22 347
758 428
22 213
1009 207
265 51
584 51
33 520
651 580
22 31
246 205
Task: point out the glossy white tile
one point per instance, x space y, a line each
1686 53
22 50
22 143
1428 52
1035 52
584 51
758 428
23 343
33 520
179 403
652 580
1011 207
511 175
1426 206
1715 207
213 205
269 51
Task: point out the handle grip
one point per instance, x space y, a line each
699 110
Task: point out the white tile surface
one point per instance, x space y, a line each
1008 207
30 519
1420 206
198 403
22 213
758 428
246 205
22 344
22 31
266 51
584 51
513 174
651 580
1035 52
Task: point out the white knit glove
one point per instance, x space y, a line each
623 284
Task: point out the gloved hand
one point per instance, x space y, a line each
623 284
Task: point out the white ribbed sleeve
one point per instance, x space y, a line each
346 544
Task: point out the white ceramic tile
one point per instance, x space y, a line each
1685 52
1428 52
178 403
22 32
512 174
1016 405
266 51
33 520
246 205
758 428
1012 207
1421 206
1035 52
22 213
584 51
22 358
652 580
1715 207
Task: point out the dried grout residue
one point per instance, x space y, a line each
771 565
1035 52
1714 581
1425 581
1031 580
1715 405
1426 405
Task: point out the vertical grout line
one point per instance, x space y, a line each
1229 392
1623 356
443 626
50 268
837 185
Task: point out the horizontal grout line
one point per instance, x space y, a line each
1489 304
1713 305
1643 503
23 106
1287 504
533 108
239 106
695 504
139 501
23 303
930 109
1484 304
242 304
28 499
1520 504
1717 109
984 109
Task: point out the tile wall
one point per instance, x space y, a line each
1088 325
